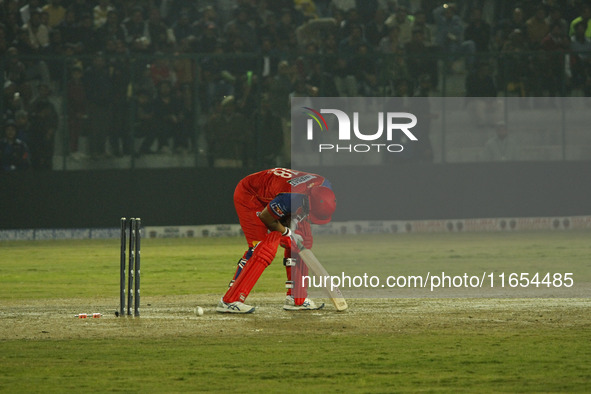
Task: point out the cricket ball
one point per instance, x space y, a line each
198 311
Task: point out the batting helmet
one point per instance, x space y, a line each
322 204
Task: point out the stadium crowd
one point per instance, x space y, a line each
118 70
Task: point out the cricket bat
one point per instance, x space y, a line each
335 295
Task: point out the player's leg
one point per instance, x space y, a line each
263 254
288 263
296 270
240 265
247 273
254 230
297 296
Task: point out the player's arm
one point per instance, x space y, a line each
276 216
272 223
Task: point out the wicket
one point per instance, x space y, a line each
133 269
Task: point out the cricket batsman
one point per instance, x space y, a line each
275 208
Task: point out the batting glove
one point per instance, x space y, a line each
291 240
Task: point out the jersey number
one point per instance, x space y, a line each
284 173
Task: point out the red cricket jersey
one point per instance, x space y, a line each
267 184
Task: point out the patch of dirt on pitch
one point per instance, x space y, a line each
174 316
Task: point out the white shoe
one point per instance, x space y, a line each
233 307
307 305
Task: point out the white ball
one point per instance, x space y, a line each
199 311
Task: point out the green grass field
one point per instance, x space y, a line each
514 341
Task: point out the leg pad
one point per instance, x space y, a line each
263 254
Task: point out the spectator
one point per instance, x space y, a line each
450 35
45 19
585 17
366 72
213 86
183 137
14 153
342 5
271 56
344 77
168 115
208 41
144 117
183 67
395 69
38 33
119 72
56 13
501 147
420 23
186 7
537 28
44 95
81 7
16 71
506 26
376 29
581 59
158 32
88 39
21 44
209 19
99 92
552 71
28 9
3 40
100 12
13 100
481 93
390 43
227 133
240 27
69 28
77 110
286 27
420 106
321 78
23 127
182 28
478 31
44 126
263 12
404 22
161 70
111 30
323 8
307 8
330 46
420 60
515 68
348 46
555 17
11 28
137 36
280 87
269 29
480 82
57 50
246 88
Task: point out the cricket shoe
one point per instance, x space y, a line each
307 305
233 307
